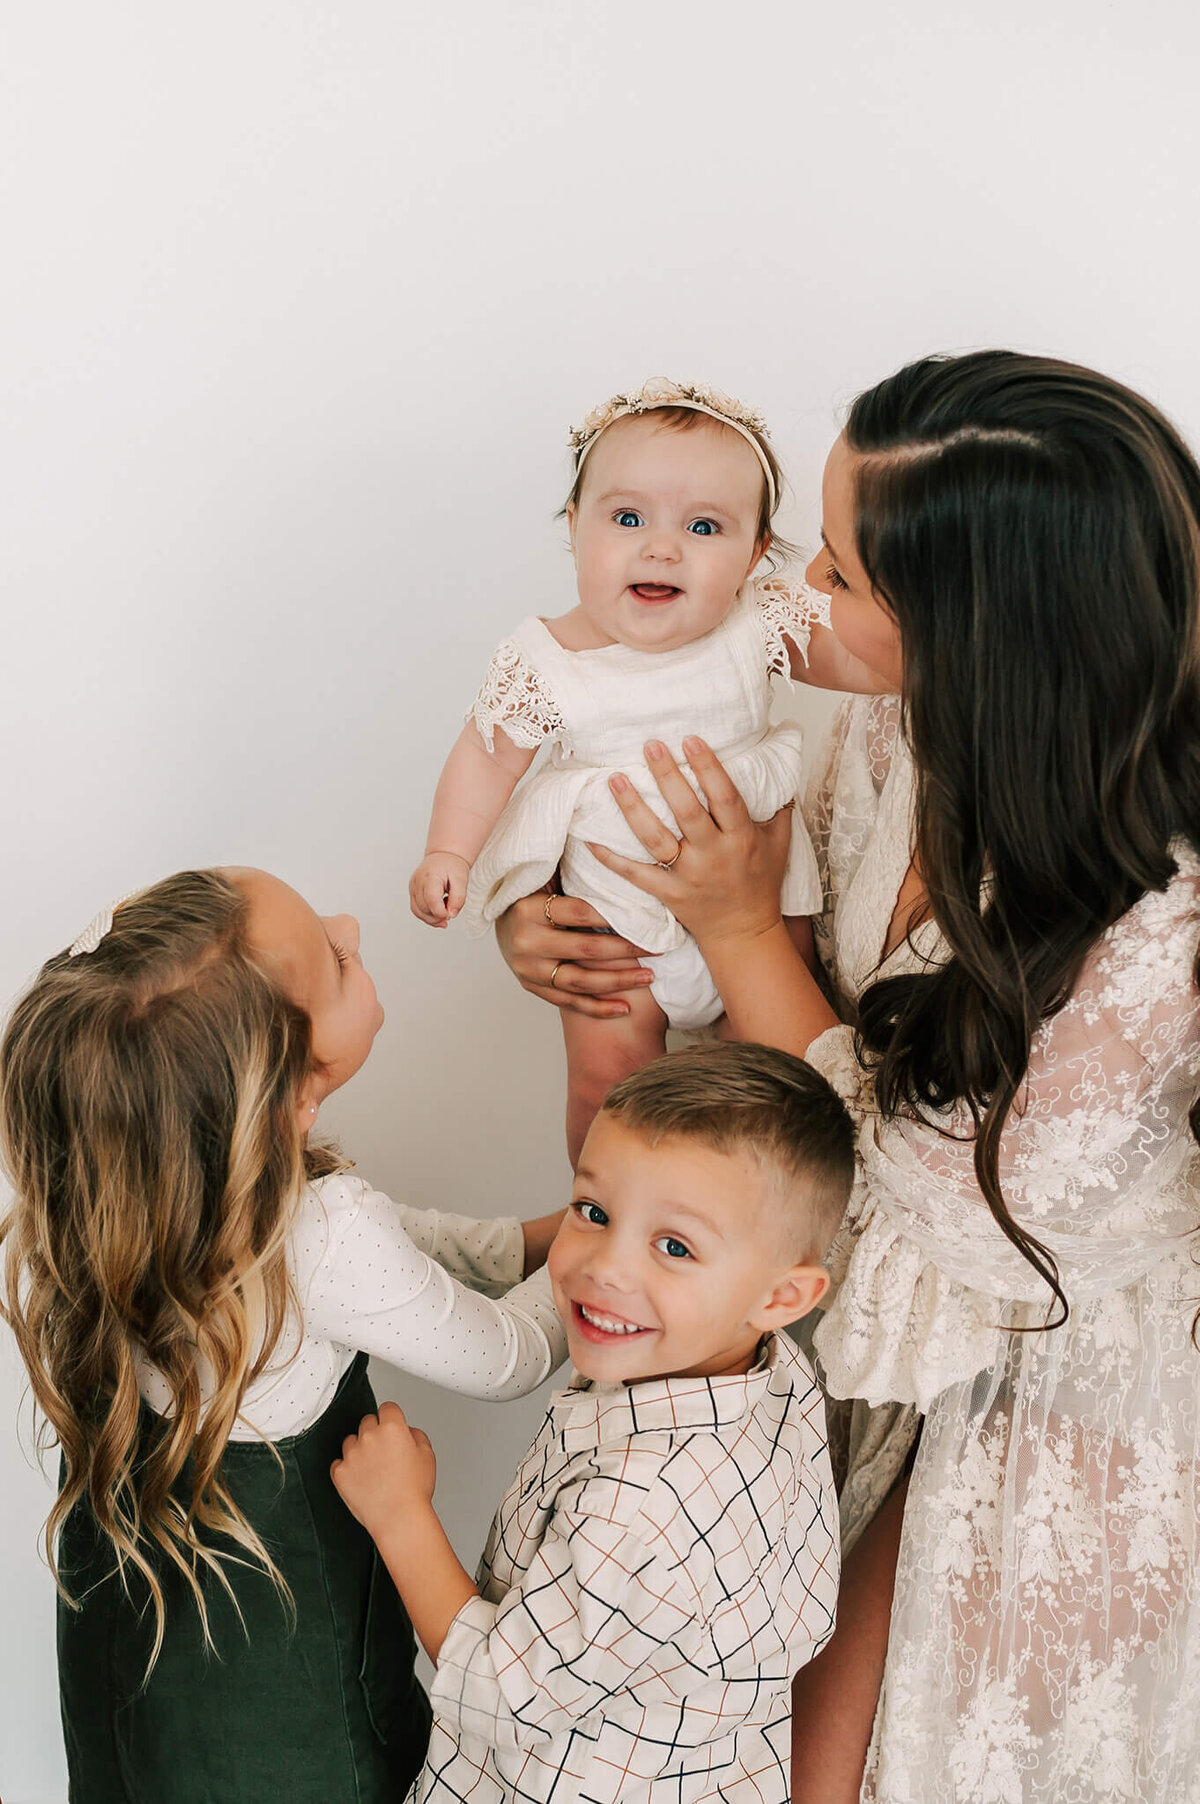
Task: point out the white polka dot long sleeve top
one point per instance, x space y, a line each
408 1286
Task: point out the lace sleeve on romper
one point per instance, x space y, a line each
787 610
516 696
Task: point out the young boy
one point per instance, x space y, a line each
667 1556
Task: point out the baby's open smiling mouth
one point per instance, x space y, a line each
652 592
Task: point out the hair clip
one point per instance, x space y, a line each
98 926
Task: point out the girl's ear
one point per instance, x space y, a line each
571 511
760 552
798 1291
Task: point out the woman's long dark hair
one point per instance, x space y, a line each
1035 528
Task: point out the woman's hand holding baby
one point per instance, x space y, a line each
725 870
437 888
721 875
562 938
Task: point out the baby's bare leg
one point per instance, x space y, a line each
601 1052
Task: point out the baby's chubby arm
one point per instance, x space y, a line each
385 1478
472 791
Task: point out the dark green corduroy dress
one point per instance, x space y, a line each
329 1712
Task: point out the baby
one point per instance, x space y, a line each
671 511
666 1557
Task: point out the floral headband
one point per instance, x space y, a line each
660 391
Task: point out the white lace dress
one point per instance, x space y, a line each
594 711
1045 1639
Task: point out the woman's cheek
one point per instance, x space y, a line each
867 633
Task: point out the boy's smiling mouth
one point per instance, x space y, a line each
600 1325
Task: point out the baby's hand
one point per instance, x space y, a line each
437 888
385 1469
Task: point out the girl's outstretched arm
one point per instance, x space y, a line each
724 887
472 791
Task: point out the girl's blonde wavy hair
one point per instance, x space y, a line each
149 1127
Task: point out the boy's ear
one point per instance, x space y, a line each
798 1291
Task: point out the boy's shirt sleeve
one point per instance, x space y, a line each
597 1612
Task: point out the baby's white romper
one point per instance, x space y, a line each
594 711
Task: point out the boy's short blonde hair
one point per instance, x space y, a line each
740 1097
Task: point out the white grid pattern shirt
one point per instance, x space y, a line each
665 1559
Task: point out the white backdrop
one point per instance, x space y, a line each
299 301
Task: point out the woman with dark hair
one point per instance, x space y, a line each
1011 854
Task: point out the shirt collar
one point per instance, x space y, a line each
588 1414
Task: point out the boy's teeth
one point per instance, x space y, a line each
609 1327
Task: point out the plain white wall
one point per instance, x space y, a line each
299 301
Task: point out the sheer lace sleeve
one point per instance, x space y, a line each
515 695
787 608
1098 1163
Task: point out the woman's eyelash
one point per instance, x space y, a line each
833 578
340 953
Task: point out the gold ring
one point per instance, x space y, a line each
666 864
554 973
546 909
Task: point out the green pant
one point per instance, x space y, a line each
327 1712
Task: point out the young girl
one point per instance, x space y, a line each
195 1289
675 490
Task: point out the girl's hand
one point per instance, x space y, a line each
385 1469
437 888
726 871
589 968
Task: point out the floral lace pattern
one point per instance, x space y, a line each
787 611
515 696
1045 1639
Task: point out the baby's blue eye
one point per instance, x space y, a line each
627 517
591 1212
674 1249
704 528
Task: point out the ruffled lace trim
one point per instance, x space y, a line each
898 1329
516 696
787 610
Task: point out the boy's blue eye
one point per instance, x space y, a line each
627 517
704 529
674 1249
591 1212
